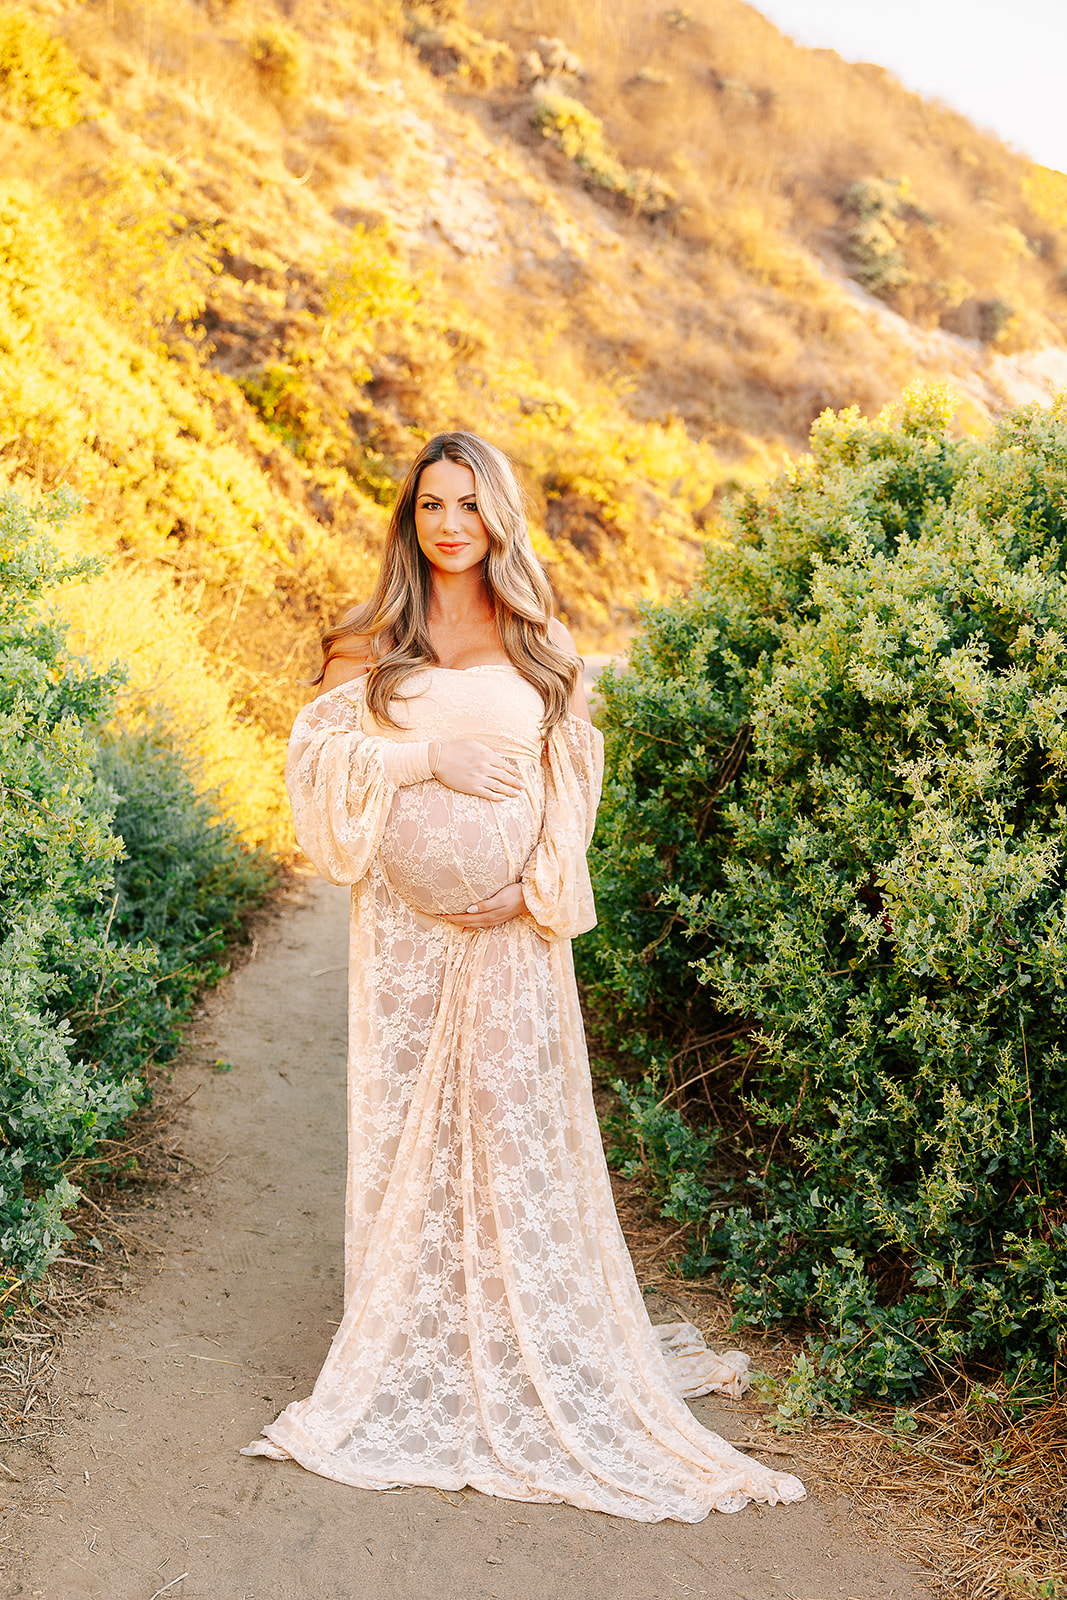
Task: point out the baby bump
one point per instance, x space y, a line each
442 851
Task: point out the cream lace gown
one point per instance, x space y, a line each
494 1334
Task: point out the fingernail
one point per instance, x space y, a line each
471 910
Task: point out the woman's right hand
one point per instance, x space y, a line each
470 767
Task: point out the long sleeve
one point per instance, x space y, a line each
341 782
555 881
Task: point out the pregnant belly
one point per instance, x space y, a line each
442 851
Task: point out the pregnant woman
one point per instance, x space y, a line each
493 1334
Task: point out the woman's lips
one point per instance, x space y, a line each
450 549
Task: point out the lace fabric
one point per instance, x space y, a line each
493 1334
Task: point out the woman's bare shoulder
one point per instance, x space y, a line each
560 636
350 655
352 641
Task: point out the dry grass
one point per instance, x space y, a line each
980 1498
737 115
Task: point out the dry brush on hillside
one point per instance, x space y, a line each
249 260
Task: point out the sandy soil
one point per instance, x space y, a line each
149 1496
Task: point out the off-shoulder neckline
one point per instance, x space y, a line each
479 666
569 716
433 666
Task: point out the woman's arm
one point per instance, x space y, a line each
555 880
338 786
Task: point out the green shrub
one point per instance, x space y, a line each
103 939
152 264
884 210
996 319
57 854
845 754
366 288
280 396
40 81
280 59
453 50
574 129
26 243
443 10
178 891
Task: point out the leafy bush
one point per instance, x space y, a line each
1045 192
40 81
574 129
996 319
453 50
904 255
280 58
57 853
280 396
134 236
25 243
103 939
365 287
845 755
178 891
883 209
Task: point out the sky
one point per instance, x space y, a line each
1001 62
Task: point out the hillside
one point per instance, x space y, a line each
250 259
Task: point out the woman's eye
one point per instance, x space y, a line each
470 506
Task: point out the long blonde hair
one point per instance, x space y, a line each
394 621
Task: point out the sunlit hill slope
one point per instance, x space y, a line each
251 255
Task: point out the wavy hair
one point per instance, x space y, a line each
395 620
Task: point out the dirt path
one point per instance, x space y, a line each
149 1496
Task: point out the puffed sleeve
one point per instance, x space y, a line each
341 782
555 881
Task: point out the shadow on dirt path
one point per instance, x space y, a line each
149 1496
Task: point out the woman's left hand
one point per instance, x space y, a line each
500 907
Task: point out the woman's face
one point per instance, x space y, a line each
451 533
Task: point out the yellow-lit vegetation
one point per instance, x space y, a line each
450 47
580 135
250 260
39 78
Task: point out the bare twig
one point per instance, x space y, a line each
100 986
169 1585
